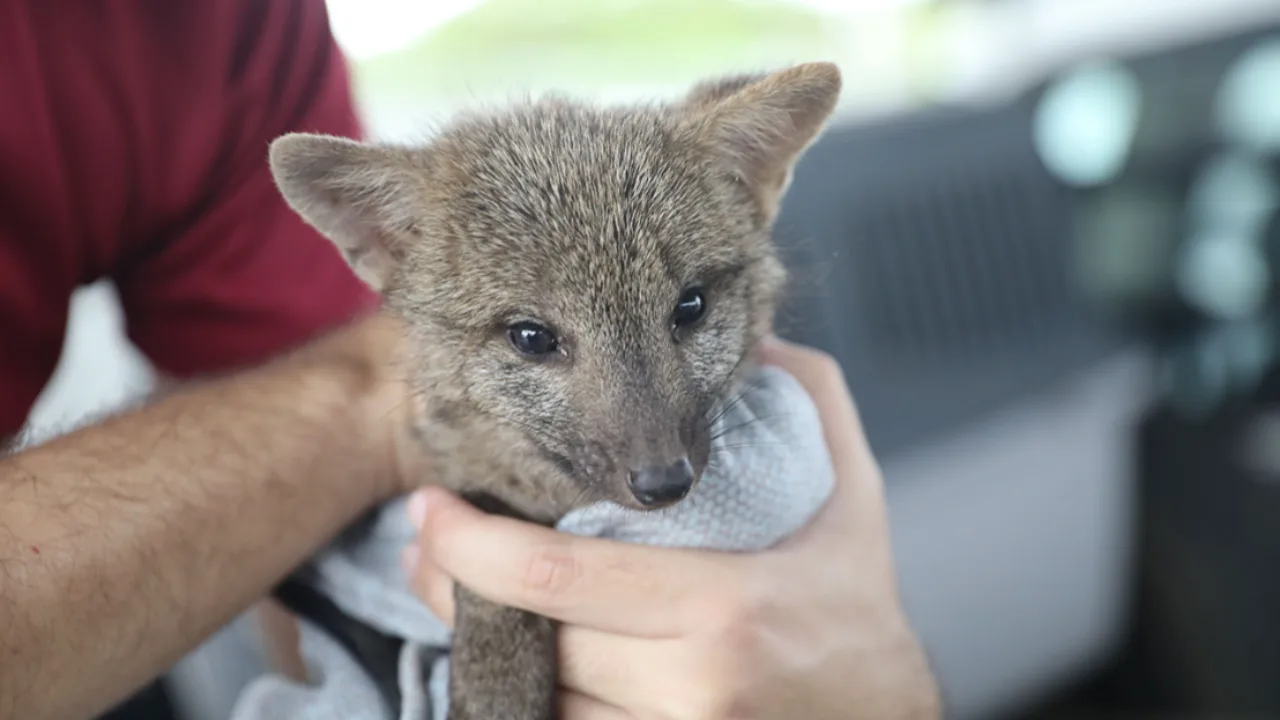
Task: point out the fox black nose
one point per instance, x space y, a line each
662 484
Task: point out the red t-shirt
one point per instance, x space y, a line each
133 146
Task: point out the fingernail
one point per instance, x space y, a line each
418 509
409 560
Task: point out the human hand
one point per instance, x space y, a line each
811 629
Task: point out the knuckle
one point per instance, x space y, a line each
438 555
437 536
423 579
723 658
433 581
736 633
708 695
739 608
551 572
430 586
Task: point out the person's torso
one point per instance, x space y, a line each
110 120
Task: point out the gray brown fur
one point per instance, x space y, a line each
591 221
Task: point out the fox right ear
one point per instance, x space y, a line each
709 92
364 198
758 125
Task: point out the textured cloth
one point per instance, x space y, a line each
769 475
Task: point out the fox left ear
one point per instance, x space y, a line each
366 199
760 125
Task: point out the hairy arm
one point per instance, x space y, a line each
125 544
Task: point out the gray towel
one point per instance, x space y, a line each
770 476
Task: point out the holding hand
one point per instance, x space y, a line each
810 629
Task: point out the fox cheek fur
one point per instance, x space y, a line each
583 286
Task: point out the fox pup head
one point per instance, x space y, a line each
589 279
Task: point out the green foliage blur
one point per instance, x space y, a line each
607 49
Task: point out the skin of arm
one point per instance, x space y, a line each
125 544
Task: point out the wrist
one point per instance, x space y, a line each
360 367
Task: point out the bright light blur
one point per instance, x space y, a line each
417 62
365 28
1086 123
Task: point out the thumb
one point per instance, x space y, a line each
606 585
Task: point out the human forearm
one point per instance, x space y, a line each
126 543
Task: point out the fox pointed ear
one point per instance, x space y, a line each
709 92
759 125
365 198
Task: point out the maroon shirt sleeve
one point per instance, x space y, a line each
238 276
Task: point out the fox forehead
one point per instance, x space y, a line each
554 203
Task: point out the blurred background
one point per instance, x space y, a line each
1041 236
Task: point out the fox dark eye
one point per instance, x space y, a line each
532 339
690 308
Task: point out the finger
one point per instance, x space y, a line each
278 629
822 378
605 666
431 584
576 706
694 675
607 585
600 664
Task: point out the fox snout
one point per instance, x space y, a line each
659 474
659 485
